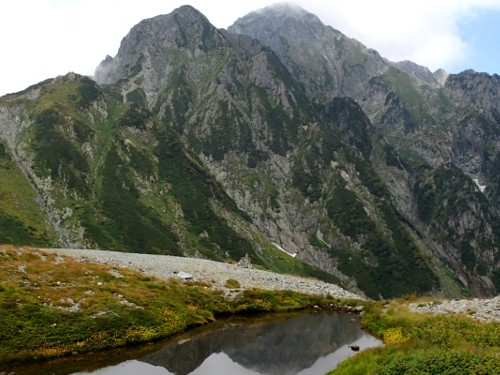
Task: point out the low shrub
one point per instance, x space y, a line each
424 344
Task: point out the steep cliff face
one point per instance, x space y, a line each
198 141
425 119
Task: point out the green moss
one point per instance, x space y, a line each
232 284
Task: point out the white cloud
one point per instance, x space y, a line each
424 31
46 38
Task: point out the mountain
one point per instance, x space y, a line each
428 123
279 135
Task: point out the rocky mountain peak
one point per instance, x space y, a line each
282 12
279 20
440 76
422 73
150 47
327 62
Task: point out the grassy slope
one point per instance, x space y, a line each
52 306
425 344
21 219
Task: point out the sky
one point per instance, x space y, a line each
41 39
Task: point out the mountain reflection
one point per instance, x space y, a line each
277 347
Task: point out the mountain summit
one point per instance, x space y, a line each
281 139
151 47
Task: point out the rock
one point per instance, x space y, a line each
115 273
245 262
184 276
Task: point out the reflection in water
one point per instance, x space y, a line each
132 367
305 344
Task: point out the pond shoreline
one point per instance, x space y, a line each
62 302
113 357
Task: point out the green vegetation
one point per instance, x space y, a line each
347 121
88 91
21 218
52 306
55 154
407 91
381 268
279 262
228 130
128 224
282 128
128 183
137 97
423 344
134 116
442 196
232 284
194 189
175 115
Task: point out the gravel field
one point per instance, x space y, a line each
486 310
214 273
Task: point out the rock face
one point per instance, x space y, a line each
430 123
290 140
329 63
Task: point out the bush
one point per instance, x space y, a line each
232 284
420 344
448 362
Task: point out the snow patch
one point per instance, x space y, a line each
481 187
279 247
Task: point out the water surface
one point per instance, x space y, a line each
303 344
